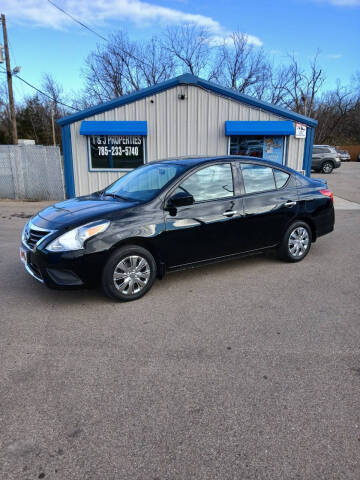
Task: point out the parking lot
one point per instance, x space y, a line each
242 370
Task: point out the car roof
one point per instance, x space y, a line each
191 161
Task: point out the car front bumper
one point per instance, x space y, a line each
62 269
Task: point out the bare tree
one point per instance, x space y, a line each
54 90
355 80
121 66
5 119
338 114
242 66
274 86
155 62
301 86
190 46
53 108
110 70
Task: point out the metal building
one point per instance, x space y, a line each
182 116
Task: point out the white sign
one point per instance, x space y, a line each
300 130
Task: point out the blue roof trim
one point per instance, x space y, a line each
113 128
187 79
259 128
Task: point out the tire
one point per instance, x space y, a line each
297 235
327 167
129 273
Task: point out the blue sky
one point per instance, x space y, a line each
42 39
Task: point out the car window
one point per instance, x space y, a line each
316 151
280 178
209 183
144 183
257 178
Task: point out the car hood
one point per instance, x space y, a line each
80 210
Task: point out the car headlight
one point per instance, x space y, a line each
75 239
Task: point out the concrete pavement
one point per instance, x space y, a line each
242 370
345 181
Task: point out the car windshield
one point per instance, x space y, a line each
144 183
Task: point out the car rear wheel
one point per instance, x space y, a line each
327 167
296 242
129 273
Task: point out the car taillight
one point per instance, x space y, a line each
328 193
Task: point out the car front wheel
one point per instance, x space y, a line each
296 242
129 273
327 167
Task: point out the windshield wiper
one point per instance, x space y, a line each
114 195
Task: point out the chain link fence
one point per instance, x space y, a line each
31 172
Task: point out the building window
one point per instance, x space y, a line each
116 152
267 147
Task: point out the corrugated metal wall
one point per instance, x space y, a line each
194 126
296 153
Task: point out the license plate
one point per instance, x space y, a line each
23 255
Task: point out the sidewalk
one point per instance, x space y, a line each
342 204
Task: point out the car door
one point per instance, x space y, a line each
316 158
270 203
203 230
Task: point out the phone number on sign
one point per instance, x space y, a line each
118 151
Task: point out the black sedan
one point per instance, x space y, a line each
172 215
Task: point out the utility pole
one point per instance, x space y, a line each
9 82
53 125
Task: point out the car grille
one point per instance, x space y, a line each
34 236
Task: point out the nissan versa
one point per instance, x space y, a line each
175 214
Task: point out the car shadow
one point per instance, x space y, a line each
33 292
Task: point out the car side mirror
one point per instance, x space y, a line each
180 199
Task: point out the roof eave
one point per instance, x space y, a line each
269 107
186 79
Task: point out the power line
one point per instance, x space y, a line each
43 93
78 21
96 33
46 95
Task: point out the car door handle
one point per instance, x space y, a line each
230 213
289 203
